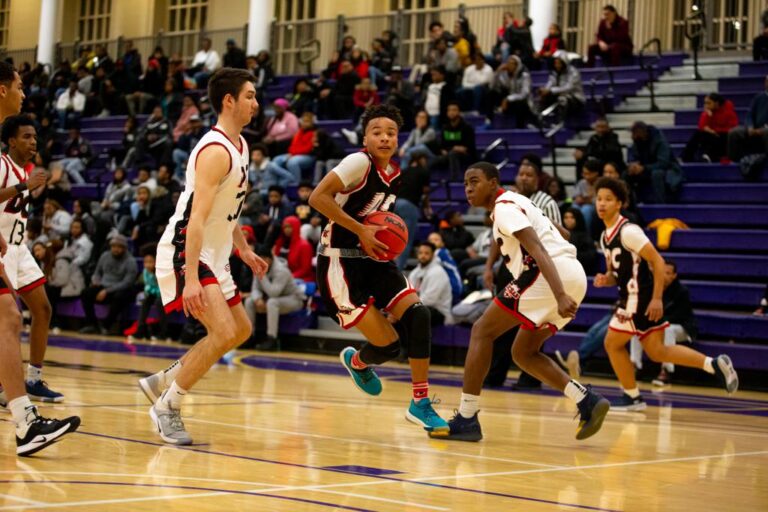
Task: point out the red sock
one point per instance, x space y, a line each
420 390
357 364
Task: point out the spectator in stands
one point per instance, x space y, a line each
64 279
186 143
119 155
207 114
280 128
556 189
653 170
563 88
449 265
500 50
172 101
81 211
413 194
184 122
381 62
70 106
709 142
760 45
266 73
327 154
116 196
270 220
274 294
110 100
511 91
257 168
205 63
338 102
603 145
474 265
295 250
150 87
752 138
347 45
35 233
678 311
359 60
584 193
431 281
234 57
287 169
154 208
455 235
586 251
155 139
303 98
131 60
150 298
529 183
103 60
166 181
437 97
311 219
56 220
79 244
552 43
475 84
464 42
613 44
518 36
78 155
422 139
401 93
457 143
437 33
761 308
365 95
112 284
445 57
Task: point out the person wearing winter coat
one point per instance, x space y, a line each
287 169
652 168
709 142
563 87
430 279
511 89
295 250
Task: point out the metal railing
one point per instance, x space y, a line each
651 67
601 101
695 32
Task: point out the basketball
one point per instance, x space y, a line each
395 236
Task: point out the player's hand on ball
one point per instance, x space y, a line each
655 310
193 299
258 266
566 306
372 245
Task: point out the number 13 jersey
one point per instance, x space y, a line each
13 212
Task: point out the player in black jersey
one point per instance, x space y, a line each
354 284
638 269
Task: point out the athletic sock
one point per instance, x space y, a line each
575 391
20 408
708 367
172 397
356 363
34 373
633 393
168 375
420 390
469 405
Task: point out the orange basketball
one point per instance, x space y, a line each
395 236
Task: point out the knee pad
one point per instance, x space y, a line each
417 322
371 354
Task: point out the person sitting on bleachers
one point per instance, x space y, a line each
449 265
563 88
584 192
166 180
518 36
336 102
455 236
295 250
586 251
184 122
465 42
457 143
56 220
303 97
365 95
270 219
205 63
709 142
274 294
760 43
149 88
752 138
186 143
287 169
154 208
34 233
78 154
473 267
150 298
155 139
280 129
311 220
475 83
603 145
81 211
70 106
327 152
614 43
79 244
552 43
380 63
430 280
257 168
116 197
445 57
652 167
171 101
763 306
422 139
412 199
359 60
511 91
401 93
437 96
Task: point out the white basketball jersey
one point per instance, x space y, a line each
13 212
227 205
514 212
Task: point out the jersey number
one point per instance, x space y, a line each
17 204
17 232
381 201
241 196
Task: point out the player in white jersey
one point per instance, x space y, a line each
33 432
532 248
193 254
26 277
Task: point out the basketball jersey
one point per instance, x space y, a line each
13 212
621 245
367 189
514 212
225 210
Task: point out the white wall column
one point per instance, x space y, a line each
543 13
46 38
259 23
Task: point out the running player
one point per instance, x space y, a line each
33 432
638 269
532 247
350 276
20 137
193 254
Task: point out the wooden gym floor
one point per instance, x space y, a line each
290 432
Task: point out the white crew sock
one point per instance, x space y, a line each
575 391
634 392
469 405
34 373
168 375
708 366
20 408
172 397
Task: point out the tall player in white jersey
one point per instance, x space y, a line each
193 254
532 248
20 138
33 432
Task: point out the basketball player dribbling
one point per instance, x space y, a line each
354 284
193 254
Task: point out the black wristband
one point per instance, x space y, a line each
21 187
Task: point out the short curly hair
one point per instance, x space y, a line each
618 187
383 110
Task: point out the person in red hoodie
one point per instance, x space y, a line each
709 142
294 249
614 44
286 169
365 95
552 43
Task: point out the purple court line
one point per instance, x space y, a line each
192 488
379 477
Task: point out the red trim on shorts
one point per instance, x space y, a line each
5 291
359 317
206 281
31 286
631 333
214 143
552 328
234 301
175 305
653 329
525 322
400 296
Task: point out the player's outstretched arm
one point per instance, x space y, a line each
323 199
566 306
211 166
655 310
